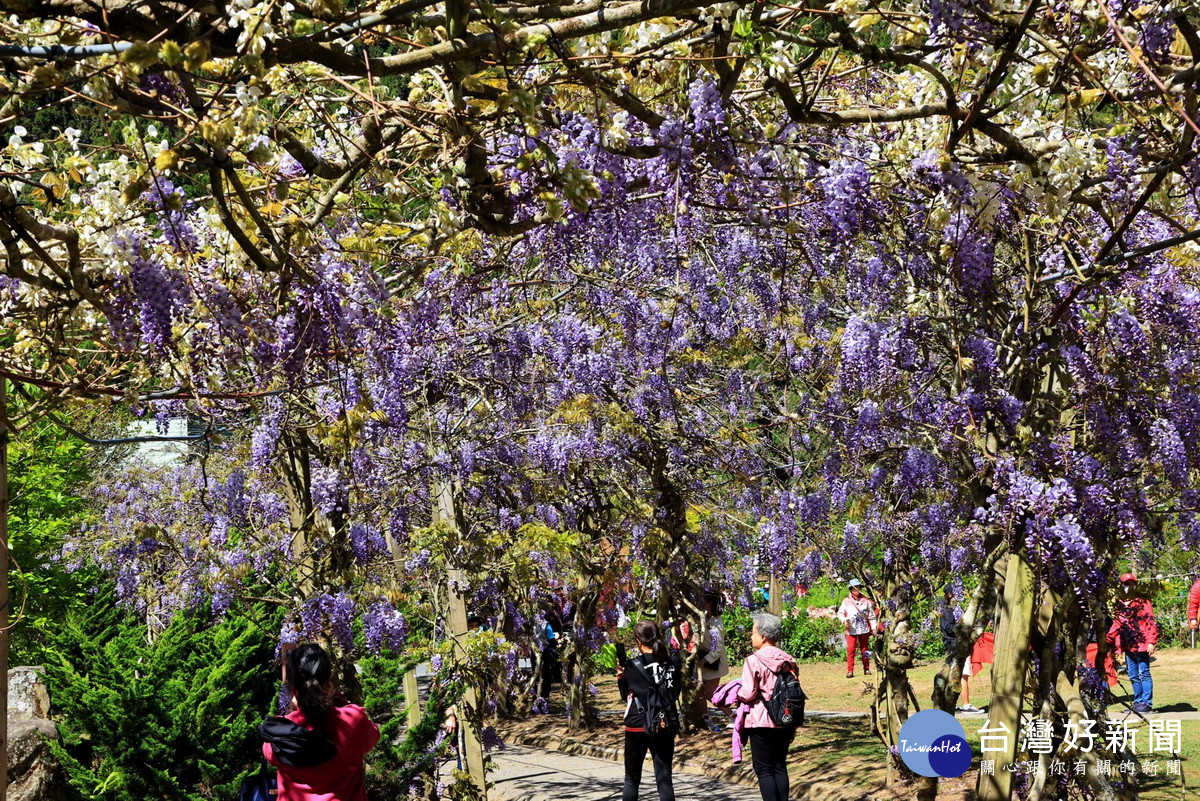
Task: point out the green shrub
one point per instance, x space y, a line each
1169 599
403 757
736 620
605 659
173 717
823 593
807 637
803 637
45 472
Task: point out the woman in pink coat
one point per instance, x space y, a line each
769 743
318 746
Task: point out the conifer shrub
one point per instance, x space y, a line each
168 715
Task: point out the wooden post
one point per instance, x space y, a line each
775 601
4 587
444 512
412 698
1008 672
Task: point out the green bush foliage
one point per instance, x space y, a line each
404 757
803 637
1169 599
173 716
807 637
736 620
45 472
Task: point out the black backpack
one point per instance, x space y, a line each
662 715
786 705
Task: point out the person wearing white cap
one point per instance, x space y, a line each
861 617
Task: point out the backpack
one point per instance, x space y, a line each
258 786
786 704
662 716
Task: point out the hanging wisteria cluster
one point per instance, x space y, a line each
830 307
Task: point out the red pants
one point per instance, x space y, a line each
863 643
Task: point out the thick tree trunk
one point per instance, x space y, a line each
298 483
1013 637
947 684
444 511
318 573
893 695
577 672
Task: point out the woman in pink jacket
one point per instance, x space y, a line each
319 746
769 743
1135 631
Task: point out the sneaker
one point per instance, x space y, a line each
850 675
1143 709
866 671
970 709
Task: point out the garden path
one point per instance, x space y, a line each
531 774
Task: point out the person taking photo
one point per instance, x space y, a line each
319 745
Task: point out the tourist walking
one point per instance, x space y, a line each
319 745
650 684
1135 631
769 742
982 651
861 618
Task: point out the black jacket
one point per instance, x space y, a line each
634 682
295 745
949 629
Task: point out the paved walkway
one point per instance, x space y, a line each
530 774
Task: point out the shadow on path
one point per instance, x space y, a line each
527 774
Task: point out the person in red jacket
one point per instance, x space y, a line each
1135 632
1193 613
320 744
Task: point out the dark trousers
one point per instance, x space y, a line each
662 751
769 750
551 670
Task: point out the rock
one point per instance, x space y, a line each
33 772
27 695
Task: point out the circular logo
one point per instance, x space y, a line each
933 743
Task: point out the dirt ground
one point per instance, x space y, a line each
839 759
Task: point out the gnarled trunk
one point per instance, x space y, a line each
1013 638
894 695
577 664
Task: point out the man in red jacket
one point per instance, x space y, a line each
1194 606
1135 632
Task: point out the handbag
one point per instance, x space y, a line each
259 787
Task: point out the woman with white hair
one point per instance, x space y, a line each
769 743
